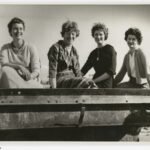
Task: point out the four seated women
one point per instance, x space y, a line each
20 61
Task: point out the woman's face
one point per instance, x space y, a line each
17 31
99 37
69 37
132 41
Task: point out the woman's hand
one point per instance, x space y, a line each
24 73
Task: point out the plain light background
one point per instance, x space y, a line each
43 26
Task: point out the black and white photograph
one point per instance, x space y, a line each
75 72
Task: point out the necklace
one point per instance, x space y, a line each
98 54
17 49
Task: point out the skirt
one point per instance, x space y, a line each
11 79
70 81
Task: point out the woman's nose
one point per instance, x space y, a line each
130 41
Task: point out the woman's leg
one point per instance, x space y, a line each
11 79
76 82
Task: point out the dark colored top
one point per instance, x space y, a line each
103 60
61 62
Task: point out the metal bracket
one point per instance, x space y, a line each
81 116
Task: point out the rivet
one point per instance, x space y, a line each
19 92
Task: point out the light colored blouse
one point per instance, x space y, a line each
132 64
26 56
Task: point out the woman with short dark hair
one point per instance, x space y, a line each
64 67
102 59
19 59
134 64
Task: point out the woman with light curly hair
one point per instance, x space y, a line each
102 58
135 63
64 67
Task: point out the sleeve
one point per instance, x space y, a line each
35 62
121 73
145 58
146 64
88 64
111 67
76 69
53 61
4 55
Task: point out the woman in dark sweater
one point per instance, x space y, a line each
102 59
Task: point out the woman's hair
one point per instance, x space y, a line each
136 32
13 21
100 26
70 26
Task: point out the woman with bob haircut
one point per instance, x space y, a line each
134 63
64 68
19 59
102 58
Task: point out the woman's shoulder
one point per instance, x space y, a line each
54 49
94 51
6 46
30 48
109 47
56 46
140 51
30 45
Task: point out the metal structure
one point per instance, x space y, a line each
73 114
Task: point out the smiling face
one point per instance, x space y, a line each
17 31
99 37
132 41
69 37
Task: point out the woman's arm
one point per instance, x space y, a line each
102 77
21 69
88 64
53 82
35 62
53 62
146 63
148 79
15 66
121 73
76 64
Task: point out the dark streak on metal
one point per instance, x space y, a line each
81 116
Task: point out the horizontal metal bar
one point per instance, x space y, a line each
74 100
34 92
